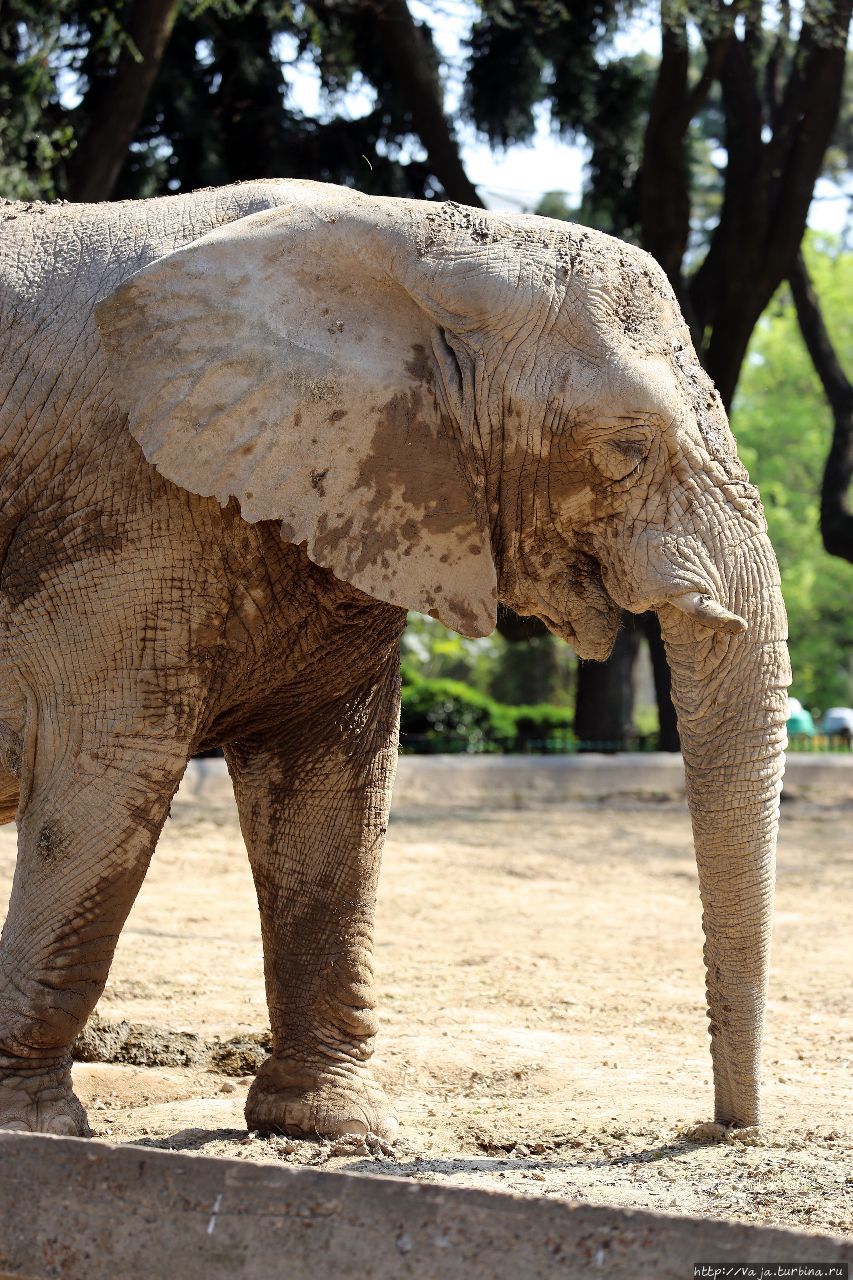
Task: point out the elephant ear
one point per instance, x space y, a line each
281 361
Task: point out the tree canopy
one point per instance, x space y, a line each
782 423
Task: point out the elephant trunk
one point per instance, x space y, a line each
729 692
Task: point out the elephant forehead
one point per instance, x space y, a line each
620 389
624 297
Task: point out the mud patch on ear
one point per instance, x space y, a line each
419 368
53 844
288 361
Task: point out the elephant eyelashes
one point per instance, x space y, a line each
634 450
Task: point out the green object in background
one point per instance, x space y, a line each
799 719
441 715
783 424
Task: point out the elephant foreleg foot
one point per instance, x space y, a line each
288 1097
42 1102
313 803
714 1131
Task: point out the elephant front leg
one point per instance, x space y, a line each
85 839
313 803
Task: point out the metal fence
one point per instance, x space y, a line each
567 744
820 743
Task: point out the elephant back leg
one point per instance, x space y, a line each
313 795
99 794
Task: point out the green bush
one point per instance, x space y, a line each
448 715
543 728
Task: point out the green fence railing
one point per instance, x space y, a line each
566 744
820 743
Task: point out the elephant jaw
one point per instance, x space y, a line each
592 639
590 625
593 633
583 605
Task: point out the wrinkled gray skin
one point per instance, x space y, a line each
350 406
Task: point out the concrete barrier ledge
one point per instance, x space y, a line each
87 1210
518 782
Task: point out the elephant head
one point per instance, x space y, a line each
451 408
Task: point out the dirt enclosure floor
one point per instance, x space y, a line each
543 1024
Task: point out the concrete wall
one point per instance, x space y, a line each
91 1211
453 782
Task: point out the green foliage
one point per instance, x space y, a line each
543 728
220 109
539 670
34 136
784 426
484 695
554 204
447 715
441 715
46 50
429 650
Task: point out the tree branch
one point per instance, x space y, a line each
836 518
715 52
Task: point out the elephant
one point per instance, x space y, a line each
245 430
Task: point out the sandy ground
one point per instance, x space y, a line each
542 1000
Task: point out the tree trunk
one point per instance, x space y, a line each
605 695
768 185
836 518
668 739
114 103
663 180
768 189
410 60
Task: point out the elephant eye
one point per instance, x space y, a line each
634 450
618 456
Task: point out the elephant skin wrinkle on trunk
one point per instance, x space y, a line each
731 720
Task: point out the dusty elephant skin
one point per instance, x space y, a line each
242 432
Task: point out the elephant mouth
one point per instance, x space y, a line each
586 615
